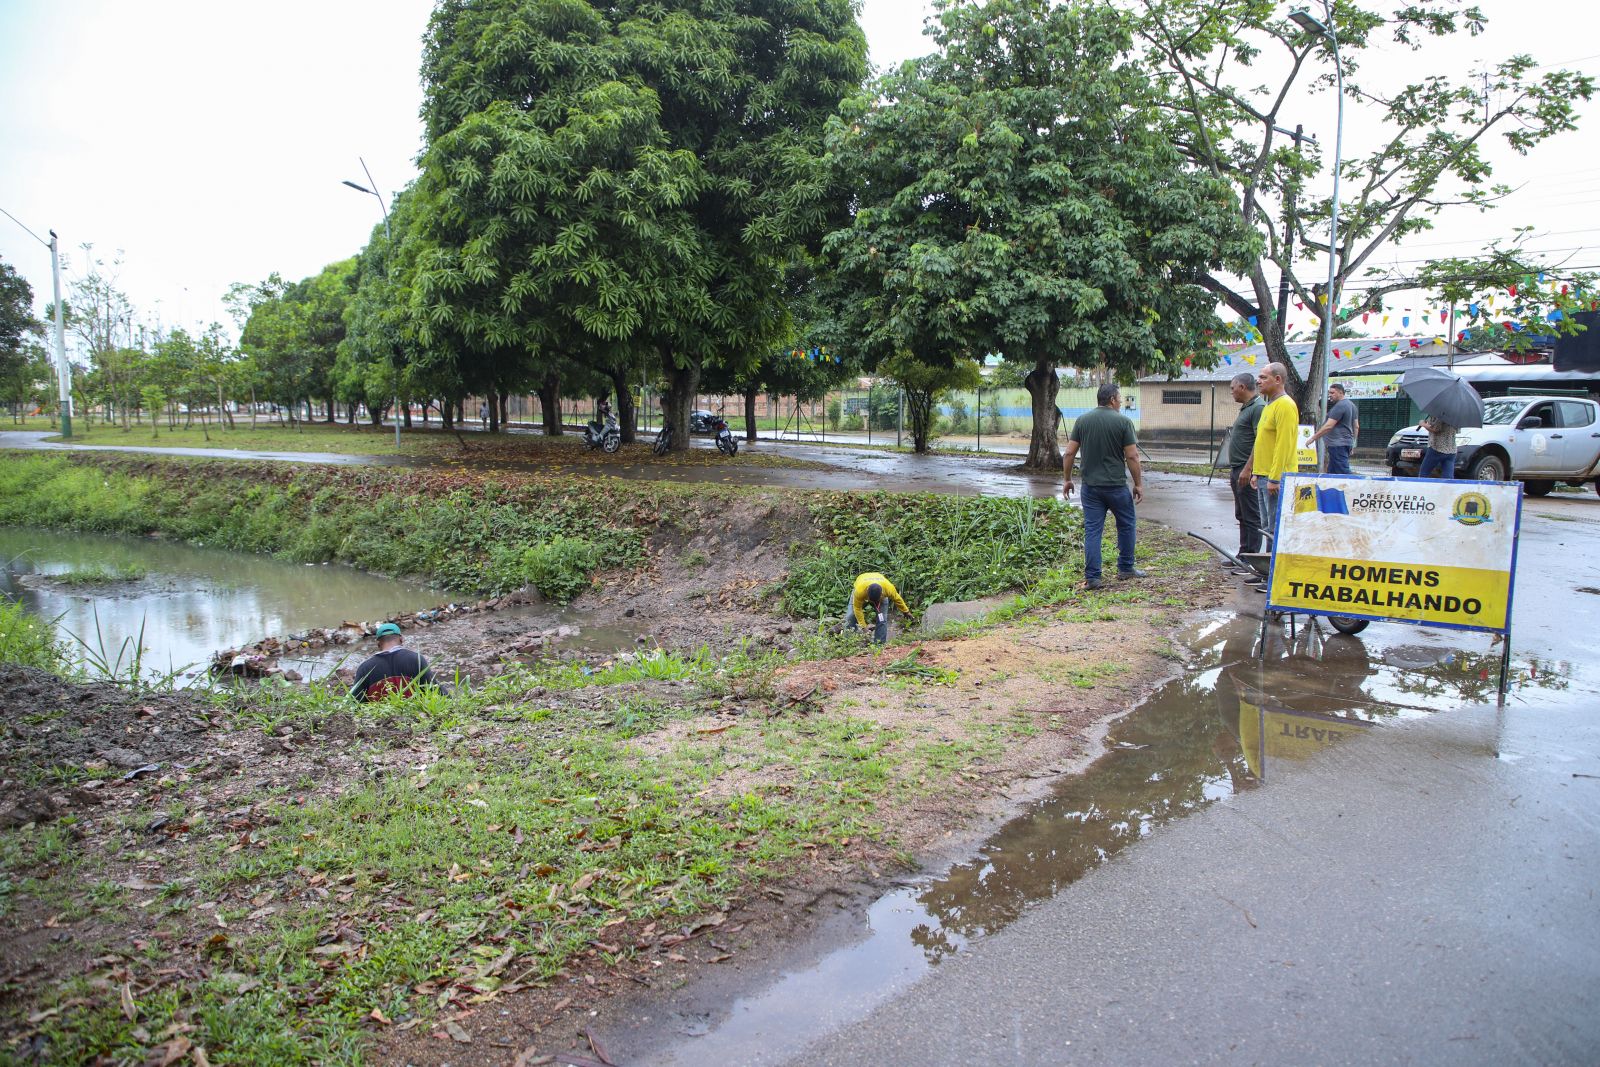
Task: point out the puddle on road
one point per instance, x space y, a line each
1232 720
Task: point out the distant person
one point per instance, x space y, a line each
1110 450
871 590
1440 455
1241 442
1277 440
483 414
1341 429
394 668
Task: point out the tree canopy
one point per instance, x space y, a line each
1238 68
1018 193
605 181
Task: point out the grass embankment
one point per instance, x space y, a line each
317 873
420 442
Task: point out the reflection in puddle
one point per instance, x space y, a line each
187 602
1243 706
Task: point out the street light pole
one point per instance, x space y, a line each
63 369
1319 388
388 239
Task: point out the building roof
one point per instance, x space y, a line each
1355 353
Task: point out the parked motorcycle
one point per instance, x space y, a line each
607 437
725 440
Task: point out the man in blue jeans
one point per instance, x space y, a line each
1341 428
1110 450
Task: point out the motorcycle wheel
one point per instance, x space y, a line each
1346 625
611 443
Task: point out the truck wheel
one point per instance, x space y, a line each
1489 468
1538 488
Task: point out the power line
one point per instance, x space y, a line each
19 222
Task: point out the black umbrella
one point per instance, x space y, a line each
1447 397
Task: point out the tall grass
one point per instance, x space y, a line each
933 548
29 641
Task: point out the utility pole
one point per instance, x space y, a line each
63 369
388 239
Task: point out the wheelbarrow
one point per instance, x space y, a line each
1260 563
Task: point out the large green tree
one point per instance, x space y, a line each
1017 193
16 325
612 181
293 332
1239 71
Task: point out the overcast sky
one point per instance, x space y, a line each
204 142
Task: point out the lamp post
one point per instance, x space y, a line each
1319 28
388 238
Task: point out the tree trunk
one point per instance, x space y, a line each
405 412
919 406
447 414
1044 449
550 404
501 402
375 413
750 393
682 385
332 409
626 415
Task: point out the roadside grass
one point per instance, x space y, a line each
510 857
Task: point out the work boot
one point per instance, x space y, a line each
1124 576
1092 583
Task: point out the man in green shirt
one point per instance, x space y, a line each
1110 450
1241 442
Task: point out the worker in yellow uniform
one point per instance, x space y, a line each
1277 441
871 590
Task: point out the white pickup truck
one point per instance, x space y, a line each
1538 440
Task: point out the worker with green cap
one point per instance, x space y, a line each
394 669
873 590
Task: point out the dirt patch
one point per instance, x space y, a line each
51 723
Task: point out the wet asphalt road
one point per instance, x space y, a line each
1424 892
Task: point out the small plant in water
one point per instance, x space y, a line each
124 665
100 574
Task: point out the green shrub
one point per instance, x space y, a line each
27 640
933 548
559 568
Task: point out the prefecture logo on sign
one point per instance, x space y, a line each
1434 552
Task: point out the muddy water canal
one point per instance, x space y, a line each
1243 708
104 592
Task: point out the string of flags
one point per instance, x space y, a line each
1538 288
816 354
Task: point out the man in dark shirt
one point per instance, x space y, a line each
393 669
1110 450
1241 442
1340 429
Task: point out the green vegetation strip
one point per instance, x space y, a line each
488 533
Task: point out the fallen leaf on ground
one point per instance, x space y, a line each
129 1009
457 1034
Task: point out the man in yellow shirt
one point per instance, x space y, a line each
870 589
1277 441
